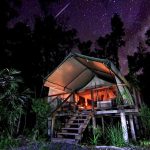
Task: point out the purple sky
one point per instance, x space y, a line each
91 18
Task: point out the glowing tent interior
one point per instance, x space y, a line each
90 79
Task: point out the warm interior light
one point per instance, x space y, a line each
105 94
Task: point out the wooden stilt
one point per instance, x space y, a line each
93 123
49 126
139 98
136 122
138 126
52 126
132 127
74 108
103 123
124 126
92 98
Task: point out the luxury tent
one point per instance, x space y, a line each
84 87
78 72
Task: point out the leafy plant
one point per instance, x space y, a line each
13 99
118 100
42 110
97 133
145 143
8 142
145 118
114 135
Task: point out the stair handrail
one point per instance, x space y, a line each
59 106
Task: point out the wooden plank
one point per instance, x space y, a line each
132 127
71 123
70 128
76 119
65 133
103 112
52 126
124 127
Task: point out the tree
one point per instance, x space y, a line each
7 12
44 4
110 44
147 34
136 64
138 75
37 52
85 47
13 98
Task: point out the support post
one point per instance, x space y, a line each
132 127
136 123
74 103
139 98
124 126
102 123
49 123
92 98
52 126
139 131
93 123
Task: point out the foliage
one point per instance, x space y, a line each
13 99
85 47
97 134
145 143
7 142
114 135
44 4
145 118
119 99
47 42
35 50
147 34
42 110
110 44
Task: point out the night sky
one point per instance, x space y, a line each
91 18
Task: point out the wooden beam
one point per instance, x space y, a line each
94 123
124 127
132 127
102 118
96 88
55 110
136 123
92 98
49 127
139 98
58 94
103 112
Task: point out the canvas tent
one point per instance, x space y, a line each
79 71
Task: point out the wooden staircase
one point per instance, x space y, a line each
74 128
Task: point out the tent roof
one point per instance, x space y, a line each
77 70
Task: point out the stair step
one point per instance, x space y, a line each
79 123
70 128
80 115
63 140
77 119
65 133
